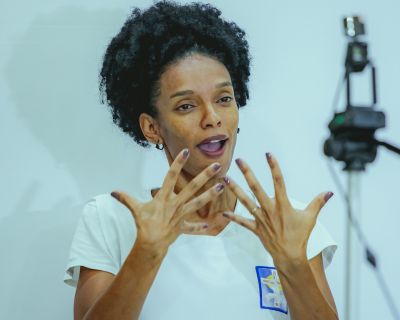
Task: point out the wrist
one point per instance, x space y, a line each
150 252
291 263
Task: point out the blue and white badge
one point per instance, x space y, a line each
271 293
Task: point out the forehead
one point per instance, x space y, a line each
195 72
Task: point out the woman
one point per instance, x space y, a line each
175 76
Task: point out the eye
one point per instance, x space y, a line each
225 99
184 107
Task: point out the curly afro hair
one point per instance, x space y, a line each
153 39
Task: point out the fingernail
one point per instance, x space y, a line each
328 195
239 162
185 153
227 181
269 156
216 166
226 215
220 186
115 195
205 226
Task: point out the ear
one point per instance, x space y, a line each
150 128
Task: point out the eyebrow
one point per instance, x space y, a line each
187 92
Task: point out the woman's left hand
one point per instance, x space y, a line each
282 229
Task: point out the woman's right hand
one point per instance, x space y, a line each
160 221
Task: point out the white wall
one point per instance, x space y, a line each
59 146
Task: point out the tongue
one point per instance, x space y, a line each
210 147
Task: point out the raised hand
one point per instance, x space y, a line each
283 230
161 220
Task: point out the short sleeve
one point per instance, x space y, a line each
89 247
321 241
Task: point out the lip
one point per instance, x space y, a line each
217 137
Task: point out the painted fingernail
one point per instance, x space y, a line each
216 166
328 195
205 226
269 156
185 153
219 187
115 195
225 214
227 181
239 162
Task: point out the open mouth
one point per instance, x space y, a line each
213 147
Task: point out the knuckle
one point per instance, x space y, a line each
248 203
278 179
252 185
194 185
172 174
210 173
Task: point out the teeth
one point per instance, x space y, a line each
214 141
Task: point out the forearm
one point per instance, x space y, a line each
305 299
125 297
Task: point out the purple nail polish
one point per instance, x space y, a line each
226 215
220 186
269 156
185 153
115 195
239 162
205 226
328 195
216 166
227 181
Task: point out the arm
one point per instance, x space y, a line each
101 296
284 231
306 289
158 223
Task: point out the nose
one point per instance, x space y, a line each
211 118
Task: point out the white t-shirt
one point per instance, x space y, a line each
228 276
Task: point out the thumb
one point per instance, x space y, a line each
130 202
318 203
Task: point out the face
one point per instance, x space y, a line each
197 110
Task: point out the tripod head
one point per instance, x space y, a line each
352 138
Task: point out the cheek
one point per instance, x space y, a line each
178 135
233 118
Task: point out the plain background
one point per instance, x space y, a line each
59 146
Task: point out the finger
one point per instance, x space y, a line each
193 227
243 198
199 181
201 200
247 223
279 183
318 203
254 185
130 202
173 173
